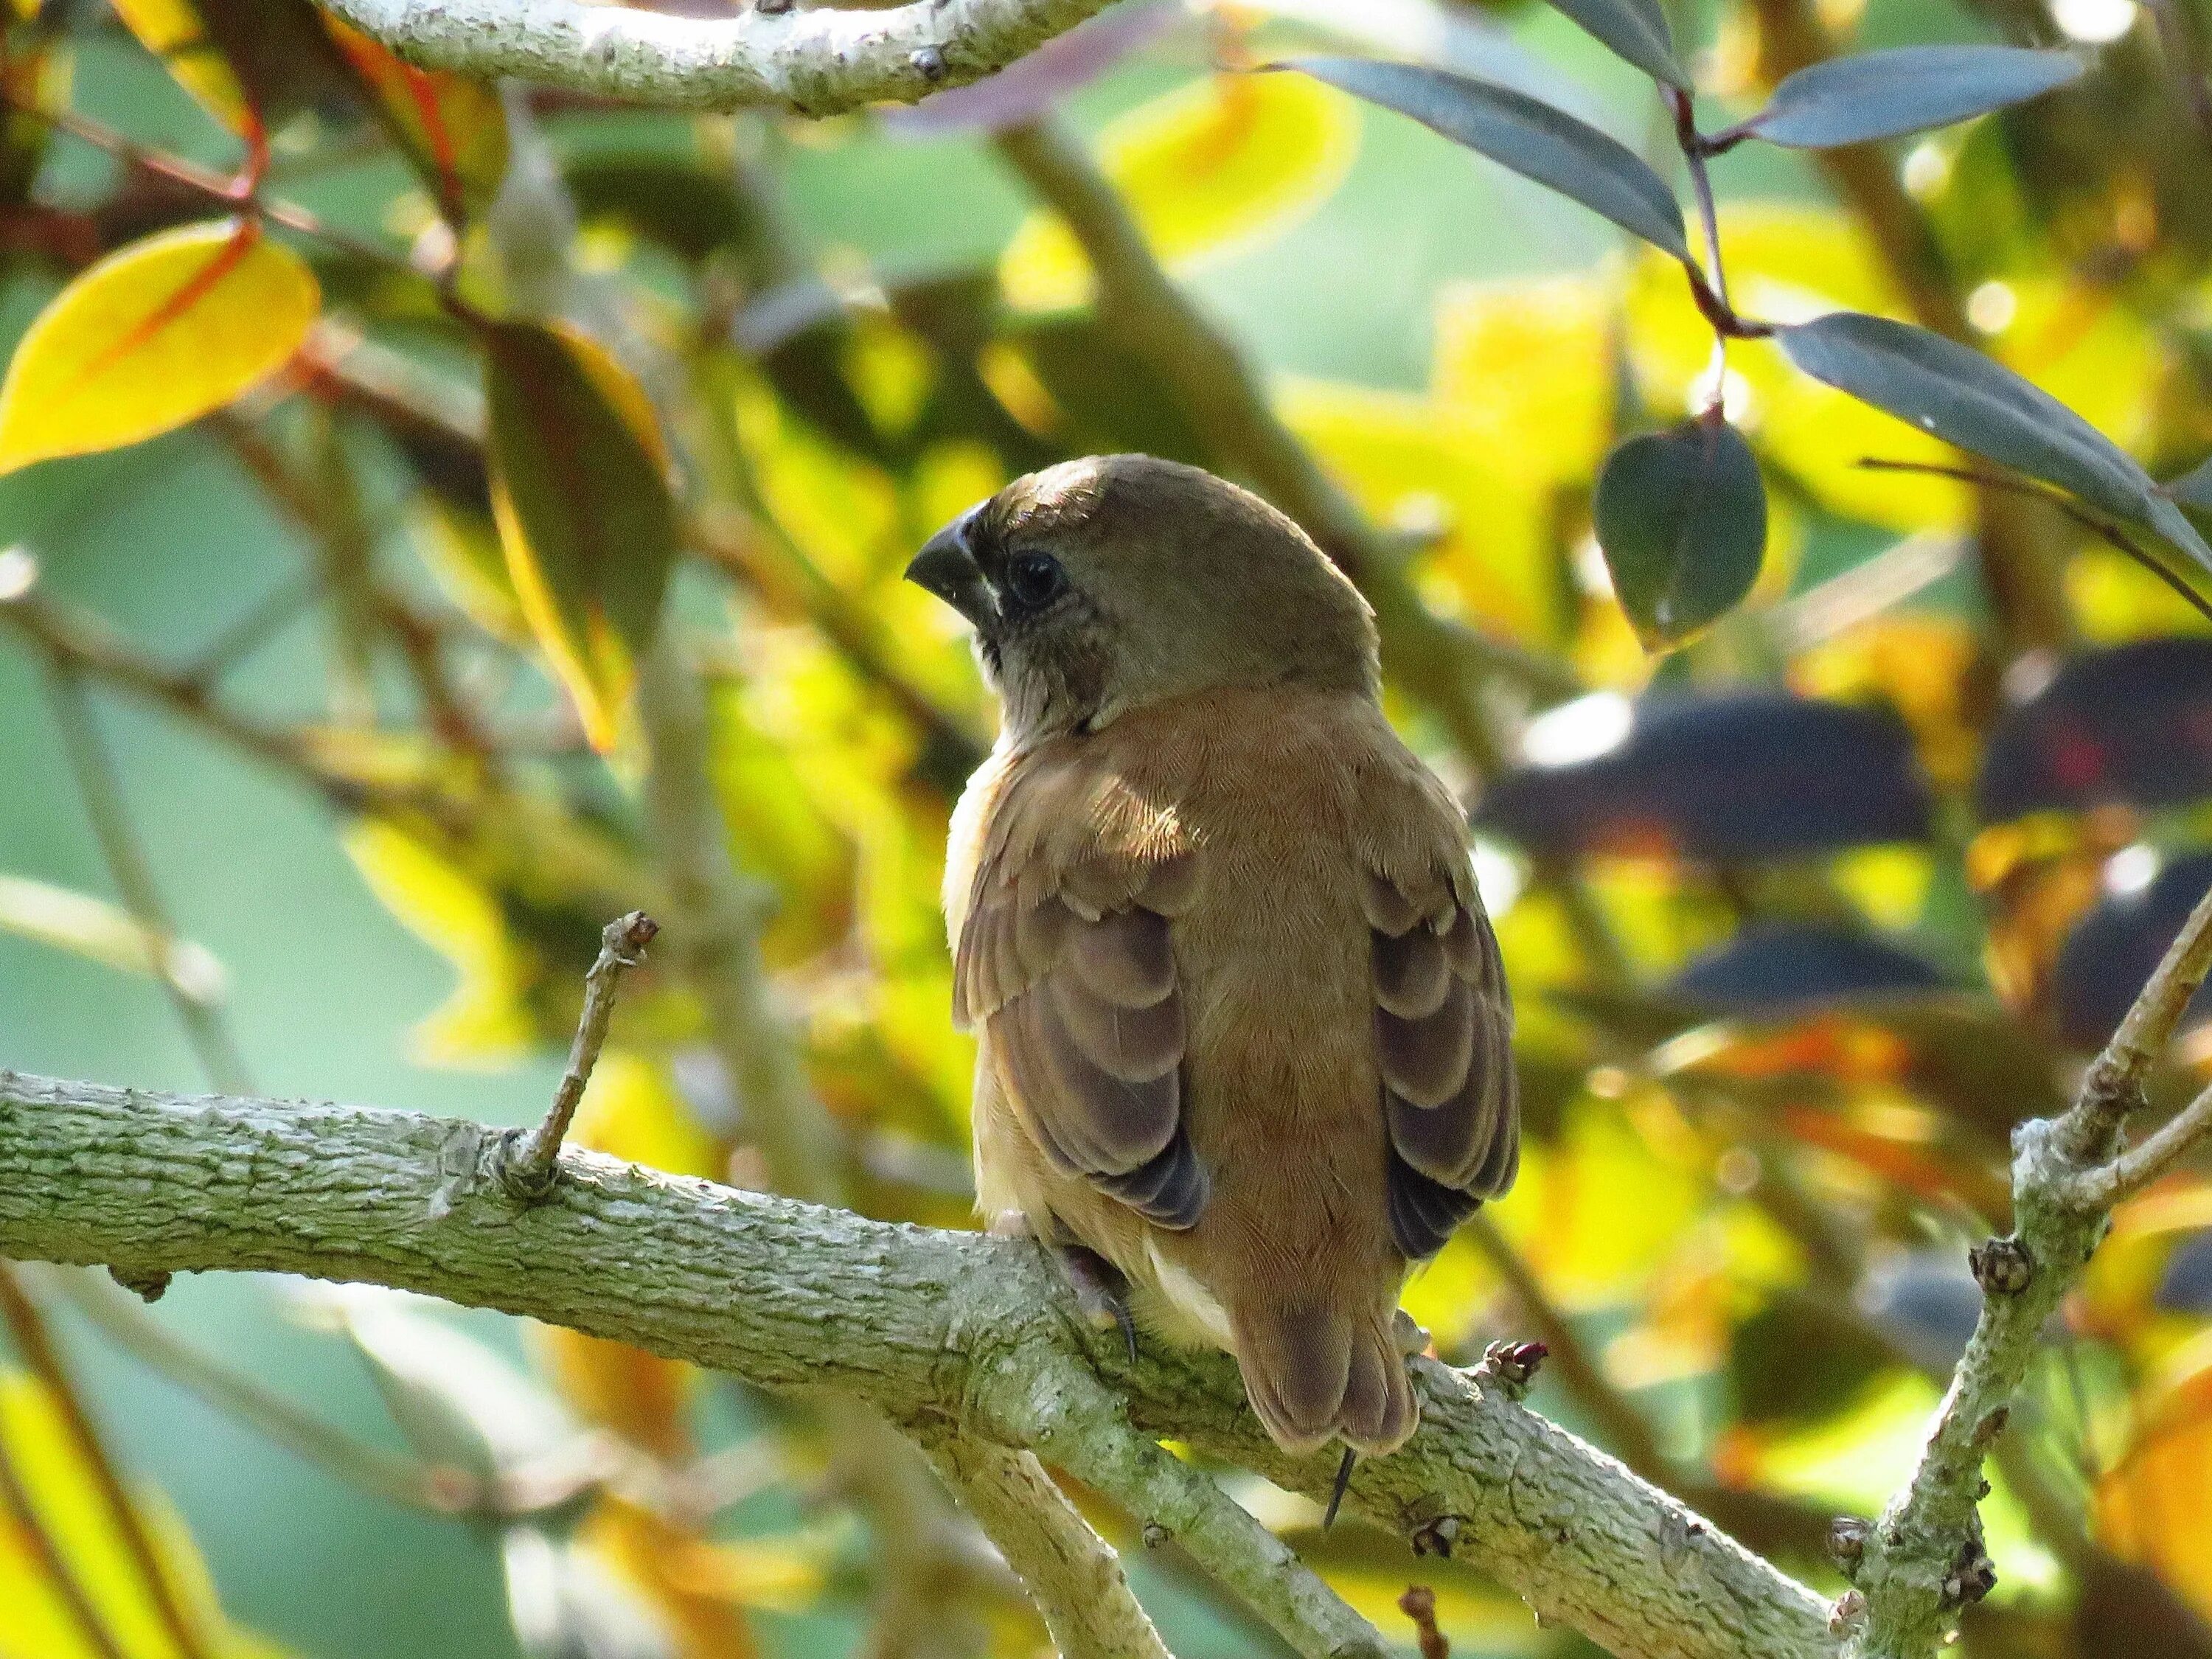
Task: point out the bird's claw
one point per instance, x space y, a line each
1101 1292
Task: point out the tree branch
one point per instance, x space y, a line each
963 1330
1072 1574
817 62
1923 1558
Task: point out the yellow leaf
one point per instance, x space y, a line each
156 334
1421 466
1211 168
483 1022
94 928
173 30
77 1520
1529 362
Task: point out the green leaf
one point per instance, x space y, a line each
2194 487
1682 515
1535 140
1636 30
580 494
1964 399
1882 94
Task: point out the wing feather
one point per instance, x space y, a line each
1065 960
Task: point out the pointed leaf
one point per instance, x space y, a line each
1636 30
1883 95
580 493
156 334
452 130
1517 131
1964 399
1683 517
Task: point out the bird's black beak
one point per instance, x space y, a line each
947 568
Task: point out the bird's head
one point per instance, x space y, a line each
1110 583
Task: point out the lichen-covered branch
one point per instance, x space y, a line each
817 62
1924 1558
973 1333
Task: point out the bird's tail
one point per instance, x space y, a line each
1316 1374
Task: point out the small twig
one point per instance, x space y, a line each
102 792
44 1361
1627 1432
2051 496
1418 1604
241 193
527 1170
1923 1558
2136 1168
1694 151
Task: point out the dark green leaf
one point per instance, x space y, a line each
1533 138
1967 399
581 491
1881 94
1683 517
1636 30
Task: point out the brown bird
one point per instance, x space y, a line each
1243 1029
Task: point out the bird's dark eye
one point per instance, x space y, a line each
1034 581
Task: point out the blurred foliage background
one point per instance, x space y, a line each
303 791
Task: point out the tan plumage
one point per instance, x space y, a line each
1243 1031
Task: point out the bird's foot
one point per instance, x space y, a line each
1412 1337
1101 1291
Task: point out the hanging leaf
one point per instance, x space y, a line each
1683 517
1212 167
579 490
1962 397
156 335
1636 30
453 131
1517 131
1884 94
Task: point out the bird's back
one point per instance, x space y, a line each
1290 810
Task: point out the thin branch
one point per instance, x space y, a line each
796 1297
100 790
2136 1168
819 62
1073 1575
1923 1558
527 1170
1174 1500
44 1363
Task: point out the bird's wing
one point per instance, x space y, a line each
1444 1028
1064 958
